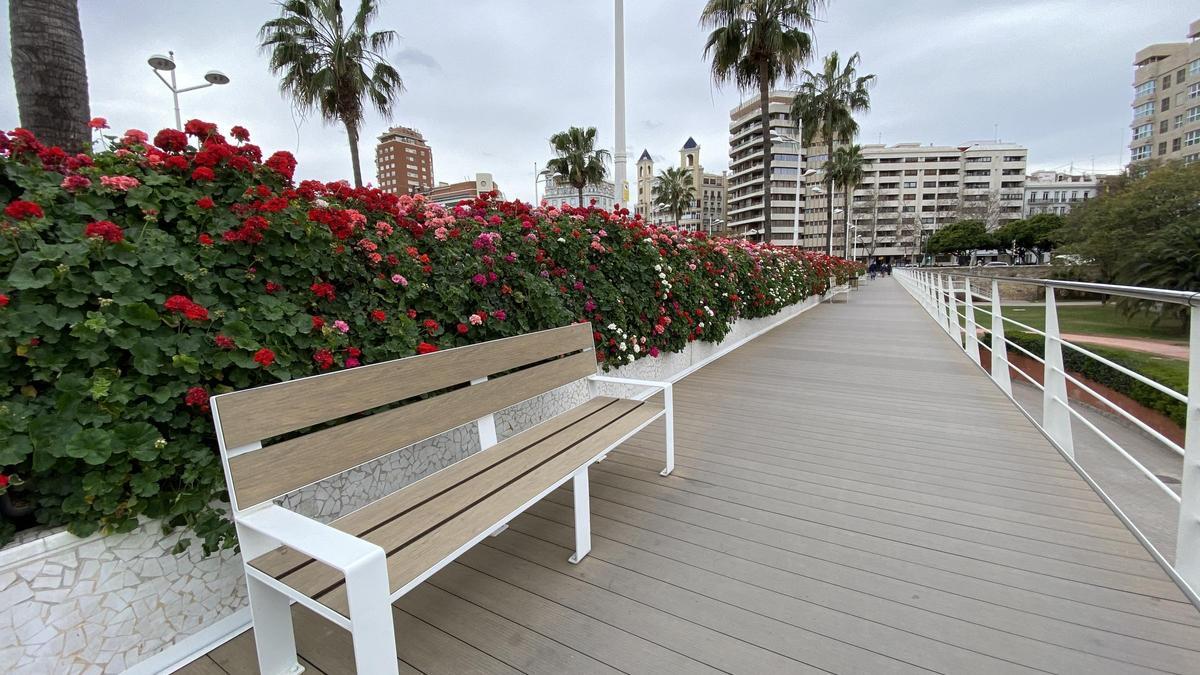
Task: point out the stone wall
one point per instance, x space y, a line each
101 604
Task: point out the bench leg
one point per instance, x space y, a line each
669 418
583 516
273 636
371 629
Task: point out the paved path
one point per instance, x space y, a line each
851 496
1171 350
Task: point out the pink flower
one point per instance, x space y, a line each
351 362
475 319
121 183
499 315
342 326
76 182
479 280
398 279
653 351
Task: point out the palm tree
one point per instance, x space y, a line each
825 104
846 170
577 162
755 43
49 71
674 190
327 65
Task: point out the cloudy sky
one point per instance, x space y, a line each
488 81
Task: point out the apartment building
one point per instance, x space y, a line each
745 180
706 213
910 190
1056 192
403 162
449 194
560 193
1166 101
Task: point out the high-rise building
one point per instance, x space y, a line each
449 194
403 162
1057 192
910 190
1166 100
560 193
706 212
745 179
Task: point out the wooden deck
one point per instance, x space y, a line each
851 496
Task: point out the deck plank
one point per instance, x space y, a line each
850 495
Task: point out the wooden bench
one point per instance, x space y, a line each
351 569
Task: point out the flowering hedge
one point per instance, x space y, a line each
145 276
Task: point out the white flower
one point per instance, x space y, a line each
658 268
612 326
622 346
636 348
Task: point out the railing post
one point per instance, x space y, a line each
1187 542
972 341
942 305
999 346
1056 417
952 312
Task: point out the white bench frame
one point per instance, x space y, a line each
264 527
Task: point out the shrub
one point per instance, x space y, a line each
143 278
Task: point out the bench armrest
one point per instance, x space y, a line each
653 385
315 539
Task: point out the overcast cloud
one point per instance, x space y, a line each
488 81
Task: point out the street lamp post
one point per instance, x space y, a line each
159 63
619 100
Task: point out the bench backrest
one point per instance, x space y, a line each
471 382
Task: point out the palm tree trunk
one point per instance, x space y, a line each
764 96
580 189
848 190
352 136
49 71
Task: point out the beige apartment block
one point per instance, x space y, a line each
1166 101
910 190
403 162
745 180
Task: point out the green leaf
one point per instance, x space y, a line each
138 439
92 445
25 274
141 315
187 363
146 357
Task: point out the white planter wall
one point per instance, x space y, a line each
102 604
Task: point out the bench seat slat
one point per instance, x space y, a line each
418 540
283 560
265 412
256 475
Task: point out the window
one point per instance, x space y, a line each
1143 110
1166 82
1193 114
1175 145
1144 89
1179 76
1139 153
910 183
1162 127
1191 138
1162 148
1194 89
1194 68
1166 104
931 183
1178 121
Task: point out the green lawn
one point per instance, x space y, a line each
1090 320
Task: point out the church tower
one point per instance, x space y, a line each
645 186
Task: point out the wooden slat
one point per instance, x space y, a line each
265 412
414 520
202 666
281 560
428 550
278 469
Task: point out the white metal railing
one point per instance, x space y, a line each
940 294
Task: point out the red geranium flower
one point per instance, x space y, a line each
272 288
240 133
106 230
171 140
199 129
282 163
203 173
265 357
378 315
463 328
431 326
205 239
3 481
3 300
426 348
98 123
323 290
21 210
177 162
181 304
317 322
412 313
197 397
324 358
205 202
223 342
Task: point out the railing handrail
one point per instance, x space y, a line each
1189 298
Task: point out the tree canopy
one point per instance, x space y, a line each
959 238
1035 234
